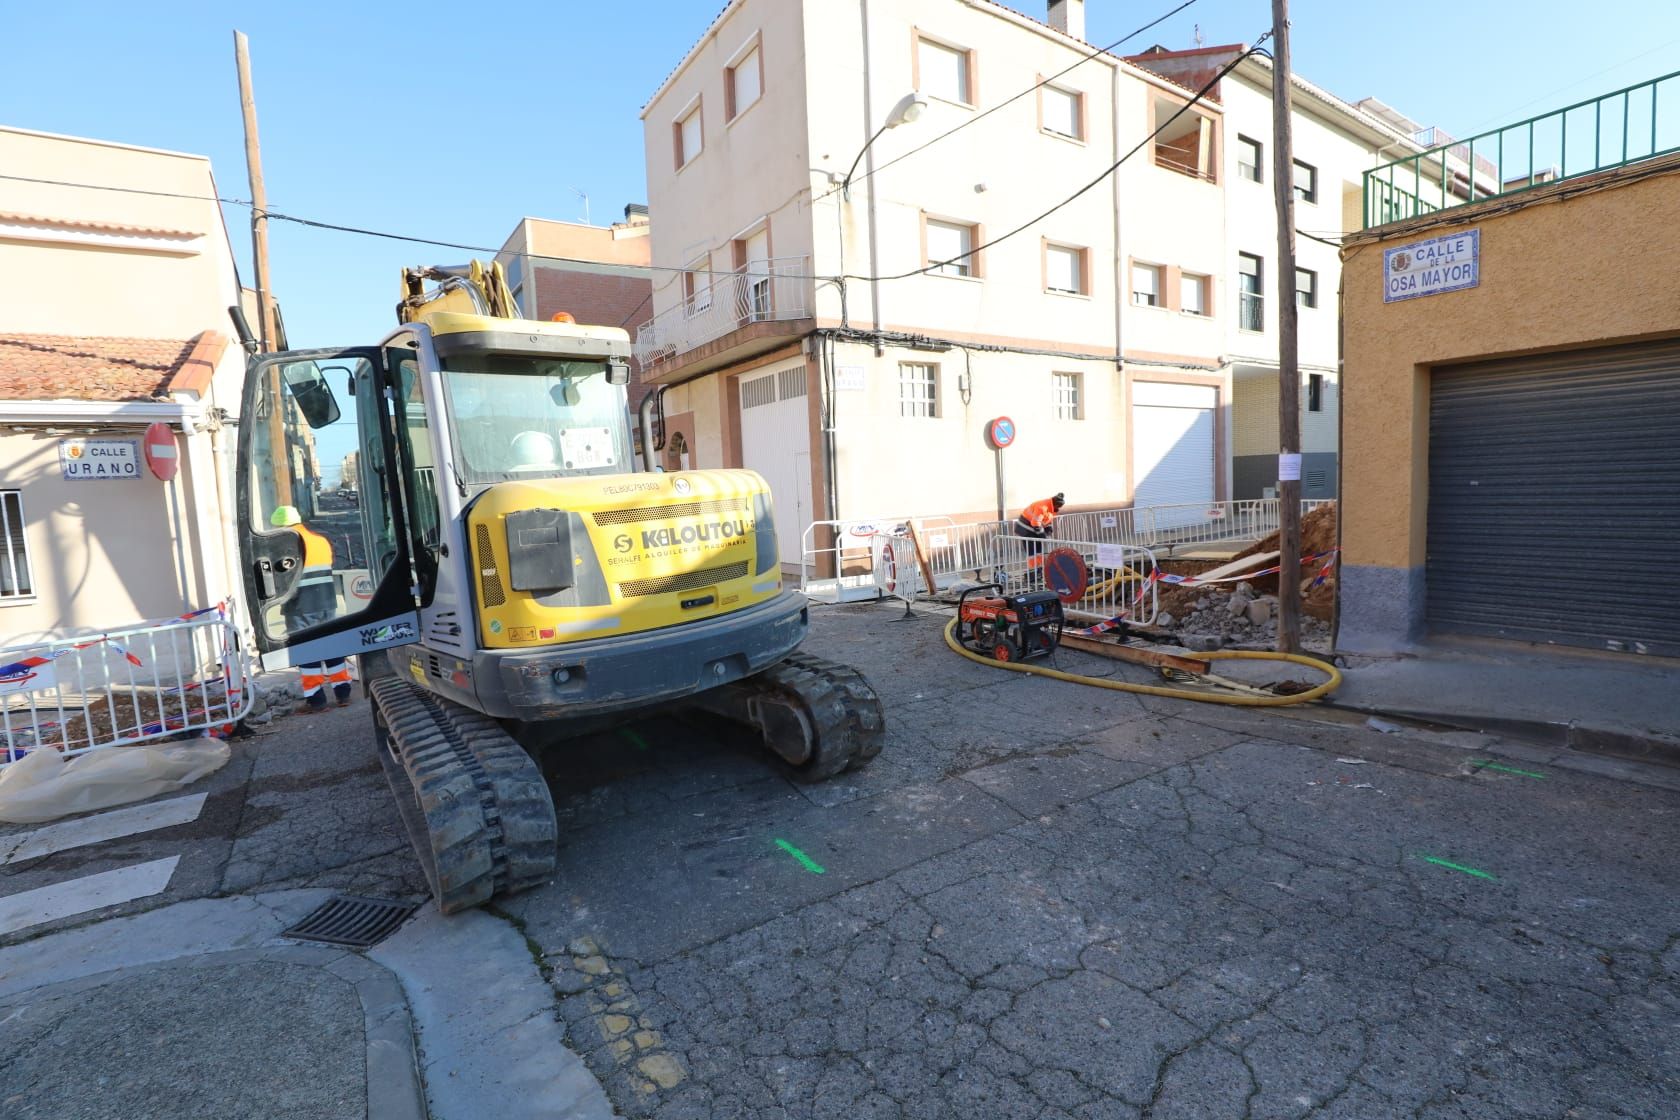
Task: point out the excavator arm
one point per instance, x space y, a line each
474 288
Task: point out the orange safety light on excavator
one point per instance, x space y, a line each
561 317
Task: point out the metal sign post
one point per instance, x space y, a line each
1000 433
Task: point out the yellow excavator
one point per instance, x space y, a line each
506 573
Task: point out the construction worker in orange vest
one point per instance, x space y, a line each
315 601
1037 521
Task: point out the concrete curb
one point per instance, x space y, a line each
392 1070
1617 742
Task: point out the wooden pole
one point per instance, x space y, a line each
1289 375
279 448
259 196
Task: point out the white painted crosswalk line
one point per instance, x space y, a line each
90 892
101 827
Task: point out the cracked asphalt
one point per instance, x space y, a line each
1044 901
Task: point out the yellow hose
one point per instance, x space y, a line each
1322 690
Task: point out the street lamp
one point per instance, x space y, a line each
907 111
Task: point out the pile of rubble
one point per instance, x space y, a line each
1217 616
1213 618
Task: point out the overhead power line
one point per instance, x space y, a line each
1111 169
978 117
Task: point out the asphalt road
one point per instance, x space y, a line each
1043 901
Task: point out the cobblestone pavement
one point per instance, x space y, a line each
1043 901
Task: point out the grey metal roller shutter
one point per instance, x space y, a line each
1554 498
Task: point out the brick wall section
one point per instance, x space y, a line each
604 301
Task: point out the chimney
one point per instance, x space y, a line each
1068 17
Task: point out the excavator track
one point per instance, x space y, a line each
475 805
822 718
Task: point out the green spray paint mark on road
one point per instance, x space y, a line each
805 861
635 740
1477 872
1489 764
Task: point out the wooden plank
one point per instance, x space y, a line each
1258 560
922 560
1116 652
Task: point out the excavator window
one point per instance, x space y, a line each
521 418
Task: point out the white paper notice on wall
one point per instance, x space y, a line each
1289 467
1111 556
848 379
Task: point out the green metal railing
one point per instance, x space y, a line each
1607 132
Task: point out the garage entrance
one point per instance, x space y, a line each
1554 499
776 442
1173 445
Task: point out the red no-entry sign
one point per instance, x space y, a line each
163 457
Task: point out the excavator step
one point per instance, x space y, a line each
475 805
820 717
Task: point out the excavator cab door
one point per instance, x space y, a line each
324 531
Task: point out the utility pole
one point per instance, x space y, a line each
279 448
1289 374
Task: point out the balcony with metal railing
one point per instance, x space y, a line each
1623 127
727 316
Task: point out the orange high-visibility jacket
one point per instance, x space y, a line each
1040 515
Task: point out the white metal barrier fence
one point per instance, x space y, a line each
148 681
1117 577
982 550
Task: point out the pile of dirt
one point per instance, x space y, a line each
1246 612
1318 535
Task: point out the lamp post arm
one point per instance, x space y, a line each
846 183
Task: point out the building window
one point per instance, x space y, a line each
1315 392
950 249
1306 182
688 135
1062 112
1146 285
16 582
1067 396
1250 155
743 83
918 389
1306 287
1192 294
944 72
1251 289
1065 270
697 286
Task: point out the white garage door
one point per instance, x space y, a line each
1172 445
776 442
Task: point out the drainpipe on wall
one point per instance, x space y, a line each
869 173
1119 257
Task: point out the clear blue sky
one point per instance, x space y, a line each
453 121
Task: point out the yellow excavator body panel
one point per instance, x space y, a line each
646 551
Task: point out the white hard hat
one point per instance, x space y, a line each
533 449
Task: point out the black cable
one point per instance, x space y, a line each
1112 168
1010 101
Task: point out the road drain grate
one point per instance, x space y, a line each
356 923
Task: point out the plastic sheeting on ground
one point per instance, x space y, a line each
44 785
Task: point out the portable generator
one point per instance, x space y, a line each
1009 627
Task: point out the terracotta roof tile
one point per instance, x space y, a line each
46 367
87 223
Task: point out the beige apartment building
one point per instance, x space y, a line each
115 317
816 314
